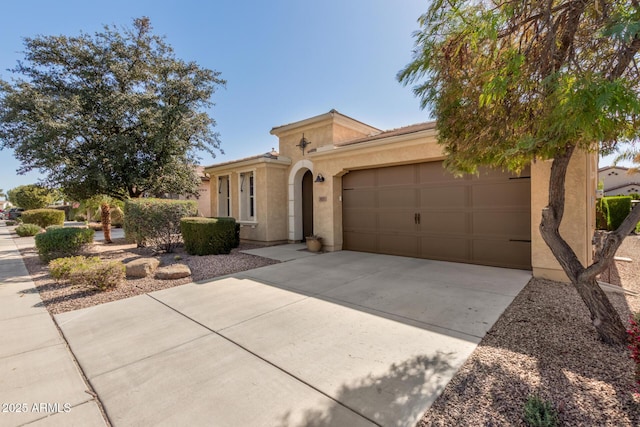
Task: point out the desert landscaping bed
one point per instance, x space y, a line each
59 298
542 345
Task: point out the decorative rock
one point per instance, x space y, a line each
174 271
142 267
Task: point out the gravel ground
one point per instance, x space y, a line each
544 345
59 298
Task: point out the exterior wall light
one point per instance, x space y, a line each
319 178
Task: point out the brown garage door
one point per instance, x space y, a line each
423 211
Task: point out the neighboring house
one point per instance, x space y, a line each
618 181
204 200
364 189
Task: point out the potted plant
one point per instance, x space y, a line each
314 243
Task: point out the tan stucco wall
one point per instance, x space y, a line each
578 223
204 201
270 199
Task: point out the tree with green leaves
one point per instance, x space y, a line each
631 154
31 196
511 82
114 113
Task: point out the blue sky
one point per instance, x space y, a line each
284 60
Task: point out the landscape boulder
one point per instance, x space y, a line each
142 267
174 271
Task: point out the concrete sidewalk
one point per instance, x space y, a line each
40 384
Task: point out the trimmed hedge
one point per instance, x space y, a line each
24 230
43 217
64 208
209 236
61 242
611 211
156 222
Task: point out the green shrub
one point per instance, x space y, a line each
540 413
156 222
80 217
209 236
61 268
64 208
43 217
61 242
101 276
602 213
9 223
24 230
88 272
611 211
619 208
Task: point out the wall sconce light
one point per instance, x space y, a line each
319 178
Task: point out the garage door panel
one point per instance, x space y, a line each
513 224
396 175
356 241
359 179
359 219
444 196
487 174
433 172
391 221
444 222
445 248
359 199
502 253
398 244
497 194
398 198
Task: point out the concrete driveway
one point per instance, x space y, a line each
338 339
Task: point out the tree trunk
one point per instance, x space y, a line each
105 211
604 317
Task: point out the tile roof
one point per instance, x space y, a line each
418 127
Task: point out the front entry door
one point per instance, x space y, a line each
307 204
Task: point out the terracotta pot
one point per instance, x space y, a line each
314 245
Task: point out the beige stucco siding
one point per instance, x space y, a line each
269 223
578 224
273 205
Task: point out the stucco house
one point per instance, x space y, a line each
617 181
364 189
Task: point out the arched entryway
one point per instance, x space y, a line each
301 201
307 204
